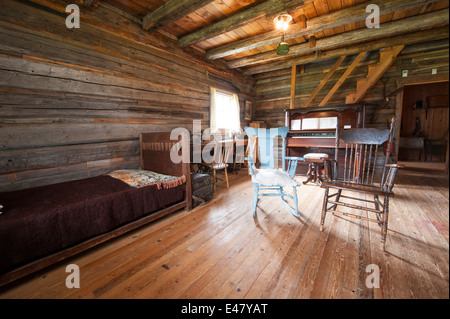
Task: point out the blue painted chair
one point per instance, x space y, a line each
268 177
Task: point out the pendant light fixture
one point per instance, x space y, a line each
283 47
282 24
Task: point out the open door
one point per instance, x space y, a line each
424 127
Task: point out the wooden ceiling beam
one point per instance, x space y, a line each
402 26
336 19
172 11
410 38
90 3
267 8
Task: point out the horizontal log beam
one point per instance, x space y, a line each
424 36
332 20
264 9
171 11
102 20
397 27
90 3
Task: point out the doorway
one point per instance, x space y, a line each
424 129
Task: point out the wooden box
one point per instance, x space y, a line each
258 124
202 189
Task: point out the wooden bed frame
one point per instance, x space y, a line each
155 156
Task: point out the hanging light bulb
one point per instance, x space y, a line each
279 24
282 21
282 24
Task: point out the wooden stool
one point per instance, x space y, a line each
315 164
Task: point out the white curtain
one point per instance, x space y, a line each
213 122
225 114
236 114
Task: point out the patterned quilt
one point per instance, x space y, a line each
139 178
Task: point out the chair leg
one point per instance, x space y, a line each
214 180
384 226
375 199
226 177
338 196
281 193
296 202
324 208
255 199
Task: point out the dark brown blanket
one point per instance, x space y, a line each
43 220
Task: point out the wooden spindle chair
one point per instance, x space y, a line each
239 158
221 159
362 175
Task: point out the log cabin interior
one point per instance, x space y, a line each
91 89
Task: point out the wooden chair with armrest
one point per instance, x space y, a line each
361 175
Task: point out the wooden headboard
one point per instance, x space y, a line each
155 156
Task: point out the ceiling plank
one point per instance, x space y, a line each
332 20
90 3
233 22
171 11
396 27
410 38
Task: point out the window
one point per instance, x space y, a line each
225 112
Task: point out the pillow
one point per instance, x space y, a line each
140 178
273 177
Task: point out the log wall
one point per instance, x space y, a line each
273 88
73 101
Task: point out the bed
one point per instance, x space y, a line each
44 225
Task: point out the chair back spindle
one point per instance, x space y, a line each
362 154
222 152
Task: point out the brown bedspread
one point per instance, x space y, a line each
43 220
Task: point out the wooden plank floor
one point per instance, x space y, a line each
220 251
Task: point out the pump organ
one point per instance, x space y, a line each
316 129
